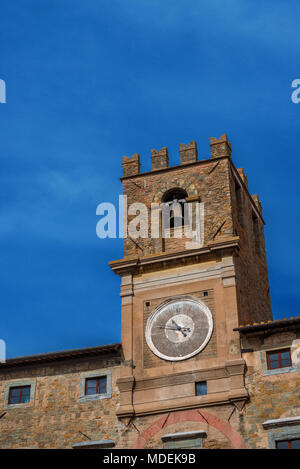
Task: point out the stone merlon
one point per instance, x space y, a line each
160 159
131 166
220 147
188 153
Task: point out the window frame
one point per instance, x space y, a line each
199 383
185 440
83 397
278 352
20 388
288 441
95 378
18 384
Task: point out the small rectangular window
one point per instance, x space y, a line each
96 385
279 359
288 444
19 395
201 388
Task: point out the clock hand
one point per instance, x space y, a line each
177 327
169 328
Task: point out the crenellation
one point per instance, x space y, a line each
160 159
188 153
220 147
131 166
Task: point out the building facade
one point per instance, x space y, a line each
202 363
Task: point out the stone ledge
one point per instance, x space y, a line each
94 444
281 422
184 435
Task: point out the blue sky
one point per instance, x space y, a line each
88 82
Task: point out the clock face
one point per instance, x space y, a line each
179 328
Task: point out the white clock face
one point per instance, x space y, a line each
179 329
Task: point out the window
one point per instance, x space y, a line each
279 359
19 395
173 208
187 440
96 385
288 444
201 388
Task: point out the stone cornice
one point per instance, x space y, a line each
181 378
137 264
194 402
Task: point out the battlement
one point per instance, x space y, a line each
131 166
188 154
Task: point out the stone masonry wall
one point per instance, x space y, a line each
253 291
56 418
272 395
209 181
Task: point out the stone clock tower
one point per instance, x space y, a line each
181 300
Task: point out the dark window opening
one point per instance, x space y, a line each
205 293
279 359
96 385
19 395
288 444
176 217
201 388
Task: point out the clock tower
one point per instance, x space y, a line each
186 284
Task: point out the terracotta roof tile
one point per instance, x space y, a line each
59 355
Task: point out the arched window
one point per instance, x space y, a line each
173 209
